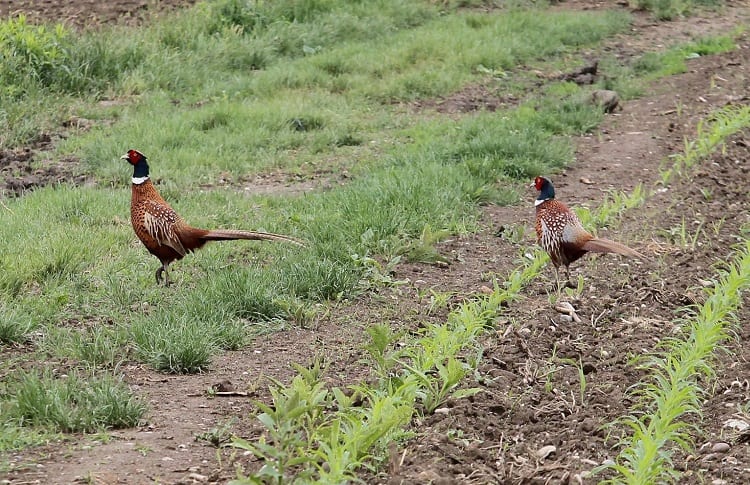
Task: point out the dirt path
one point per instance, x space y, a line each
87 13
531 398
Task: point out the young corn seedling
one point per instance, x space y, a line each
674 391
711 133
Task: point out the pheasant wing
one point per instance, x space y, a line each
160 222
573 232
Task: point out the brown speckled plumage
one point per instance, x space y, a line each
560 233
164 233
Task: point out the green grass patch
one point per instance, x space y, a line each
69 403
672 9
630 80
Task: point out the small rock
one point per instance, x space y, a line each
223 386
197 477
737 424
720 447
608 100
442 411
485 289
427 476
546 451
719 481
710 457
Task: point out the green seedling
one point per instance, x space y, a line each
674 393
217 436
439 300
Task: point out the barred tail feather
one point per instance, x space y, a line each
597 245
232 234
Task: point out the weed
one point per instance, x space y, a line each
439 300
381 339
217 436
144 450
423 249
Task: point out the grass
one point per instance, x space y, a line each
672 9
299 87
631 79
71 272
436 182
69 403
418 372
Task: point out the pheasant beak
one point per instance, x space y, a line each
125 157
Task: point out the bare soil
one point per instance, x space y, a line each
87 13
532 394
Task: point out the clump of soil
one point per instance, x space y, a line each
86 13
21 172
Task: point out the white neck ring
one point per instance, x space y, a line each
139 180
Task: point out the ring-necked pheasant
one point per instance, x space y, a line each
164 233
560 233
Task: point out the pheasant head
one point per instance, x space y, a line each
545 188
140 165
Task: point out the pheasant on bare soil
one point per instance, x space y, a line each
560 233
164 233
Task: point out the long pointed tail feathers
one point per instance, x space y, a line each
598 245
232 234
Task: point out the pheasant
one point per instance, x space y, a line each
560 233
164 233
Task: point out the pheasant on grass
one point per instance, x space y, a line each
560 233
164 233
